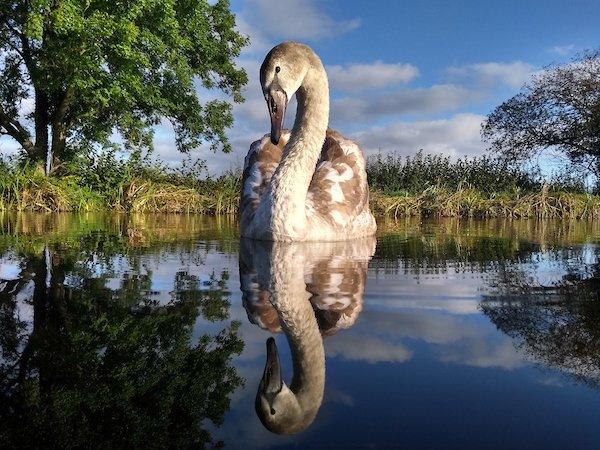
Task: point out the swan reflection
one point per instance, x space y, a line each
307 291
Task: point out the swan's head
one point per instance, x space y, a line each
276 405
281 74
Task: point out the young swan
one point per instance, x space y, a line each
309 184
310 290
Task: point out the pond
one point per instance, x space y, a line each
153 331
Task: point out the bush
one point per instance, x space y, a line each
393 173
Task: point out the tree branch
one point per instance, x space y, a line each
25 51
16 49
17 132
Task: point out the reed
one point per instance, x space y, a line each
26 189
468 202
128 188
394 174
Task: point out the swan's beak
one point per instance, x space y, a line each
271 382
276 101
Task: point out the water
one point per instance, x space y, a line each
133 331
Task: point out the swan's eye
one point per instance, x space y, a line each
277 69
272 411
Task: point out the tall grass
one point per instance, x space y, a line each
108 182
26 188
434 185
468 202
423 185
394 174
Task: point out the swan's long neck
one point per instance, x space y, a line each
308 356
289 186
290 298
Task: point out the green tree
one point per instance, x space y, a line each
93 68
559 109
110 368
554 324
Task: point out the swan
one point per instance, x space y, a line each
309 184
306 290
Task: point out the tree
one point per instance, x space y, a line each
91 68
559 108
110 367
557 324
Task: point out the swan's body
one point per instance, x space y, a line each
309 184
305 290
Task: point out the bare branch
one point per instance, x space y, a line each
14 129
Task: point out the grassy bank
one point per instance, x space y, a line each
435 186
111 184
467 202
401 187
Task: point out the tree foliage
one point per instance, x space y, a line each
559 108
90 68
554 324
105 367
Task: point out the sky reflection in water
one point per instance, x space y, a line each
469 335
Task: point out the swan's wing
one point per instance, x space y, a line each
337 288
338 192
334 274
259 309
260 164
256 296
337 283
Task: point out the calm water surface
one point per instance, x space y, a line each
150 331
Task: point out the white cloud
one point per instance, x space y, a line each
386 336
431 100
456 136
562 50
10 267
433 327
355 347
551 381
259 43
9 147
337 396
513 74
292 19
485 353
353 77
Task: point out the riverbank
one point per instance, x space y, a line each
467 202
417 186
37 192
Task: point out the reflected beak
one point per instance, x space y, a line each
277 101
271 382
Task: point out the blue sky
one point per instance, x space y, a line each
403 75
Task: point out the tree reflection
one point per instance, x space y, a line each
84 365
556 324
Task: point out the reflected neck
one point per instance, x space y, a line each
298 321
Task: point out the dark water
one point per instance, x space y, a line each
134 332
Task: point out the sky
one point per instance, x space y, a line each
403 75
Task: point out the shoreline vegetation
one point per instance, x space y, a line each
422 185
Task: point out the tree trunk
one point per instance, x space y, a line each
59 141
59 130
41 127
597 175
